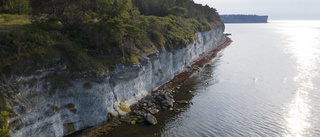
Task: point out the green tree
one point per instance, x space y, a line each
14 6
114 16
178 11
69 13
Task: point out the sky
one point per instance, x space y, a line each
275 9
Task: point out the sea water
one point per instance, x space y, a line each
266 83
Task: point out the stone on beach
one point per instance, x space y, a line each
150 118
122 113
153 111
182 102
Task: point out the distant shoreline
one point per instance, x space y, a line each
240 18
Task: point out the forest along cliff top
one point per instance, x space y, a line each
96 35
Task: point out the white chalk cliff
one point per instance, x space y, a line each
44 113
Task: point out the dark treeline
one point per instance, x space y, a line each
165 7
14 6
242 18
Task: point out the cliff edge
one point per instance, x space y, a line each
43 112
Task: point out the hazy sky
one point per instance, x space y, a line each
276 9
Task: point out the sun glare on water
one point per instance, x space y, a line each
303 44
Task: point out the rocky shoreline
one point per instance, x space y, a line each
158 100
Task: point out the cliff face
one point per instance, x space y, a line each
41 112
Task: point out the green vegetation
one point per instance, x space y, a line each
124 108
3 104
133 122
14 6
4 126
10 20
95 35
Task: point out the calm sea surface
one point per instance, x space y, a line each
266 83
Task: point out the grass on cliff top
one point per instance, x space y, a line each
8 21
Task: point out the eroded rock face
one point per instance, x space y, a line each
87 102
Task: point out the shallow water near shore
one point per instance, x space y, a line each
266 83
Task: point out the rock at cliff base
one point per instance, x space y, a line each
183 102
153 111
168 103
168 96
150 118
122 113
114 114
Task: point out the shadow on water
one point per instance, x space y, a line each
192 84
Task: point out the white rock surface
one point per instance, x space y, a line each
40 113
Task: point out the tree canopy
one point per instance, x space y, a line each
14 6
108 31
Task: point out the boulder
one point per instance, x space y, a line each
168 103
182 102
153 111
150 104
112 115
168 96
150 118
122 113
138 112
164 108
